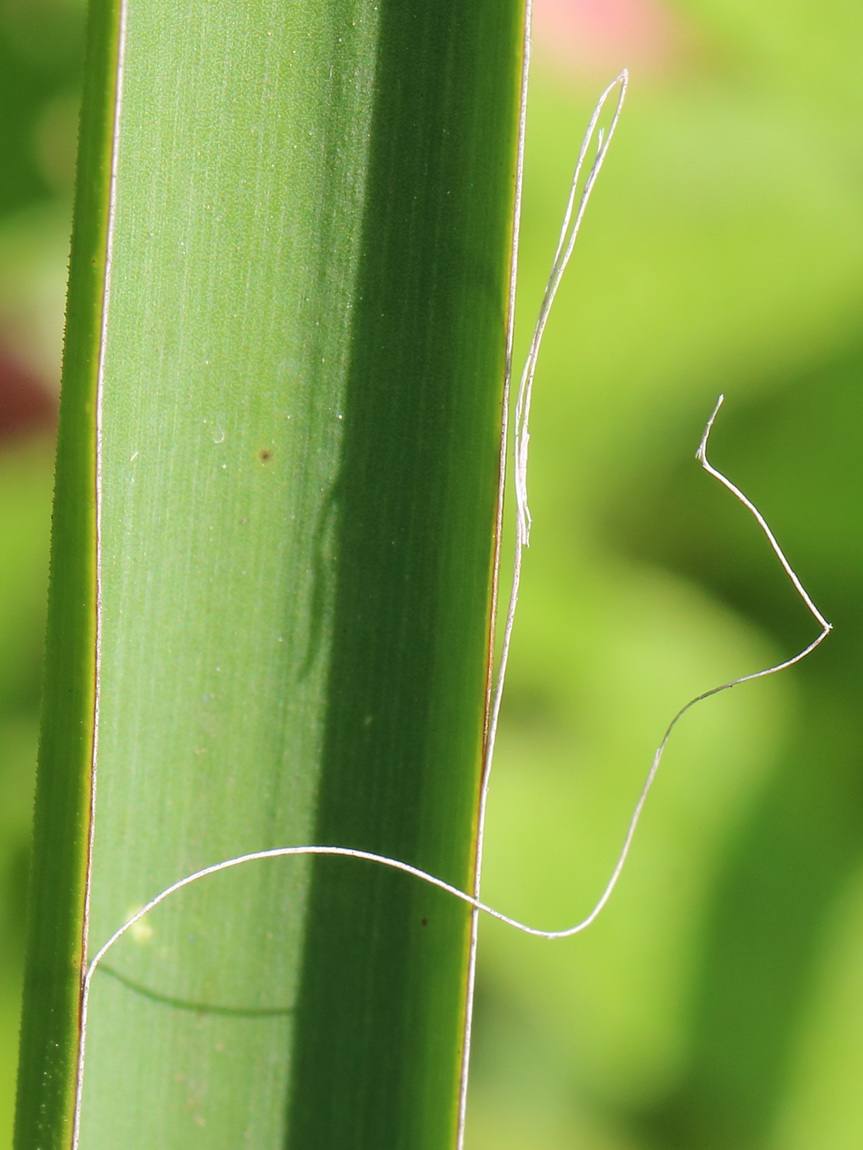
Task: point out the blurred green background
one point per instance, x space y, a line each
40 61
718 1002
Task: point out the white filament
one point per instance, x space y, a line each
565 244
471 899
574 213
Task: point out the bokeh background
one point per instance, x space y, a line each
41 46
718 1002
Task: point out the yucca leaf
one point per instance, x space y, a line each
287 318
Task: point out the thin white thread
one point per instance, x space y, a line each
521 437
97 498
432 880
464 896
568 235
565 244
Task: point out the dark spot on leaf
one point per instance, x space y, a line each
264 454
424 922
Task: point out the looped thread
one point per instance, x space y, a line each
572 220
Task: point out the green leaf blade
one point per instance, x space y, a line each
300 412
48 1054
